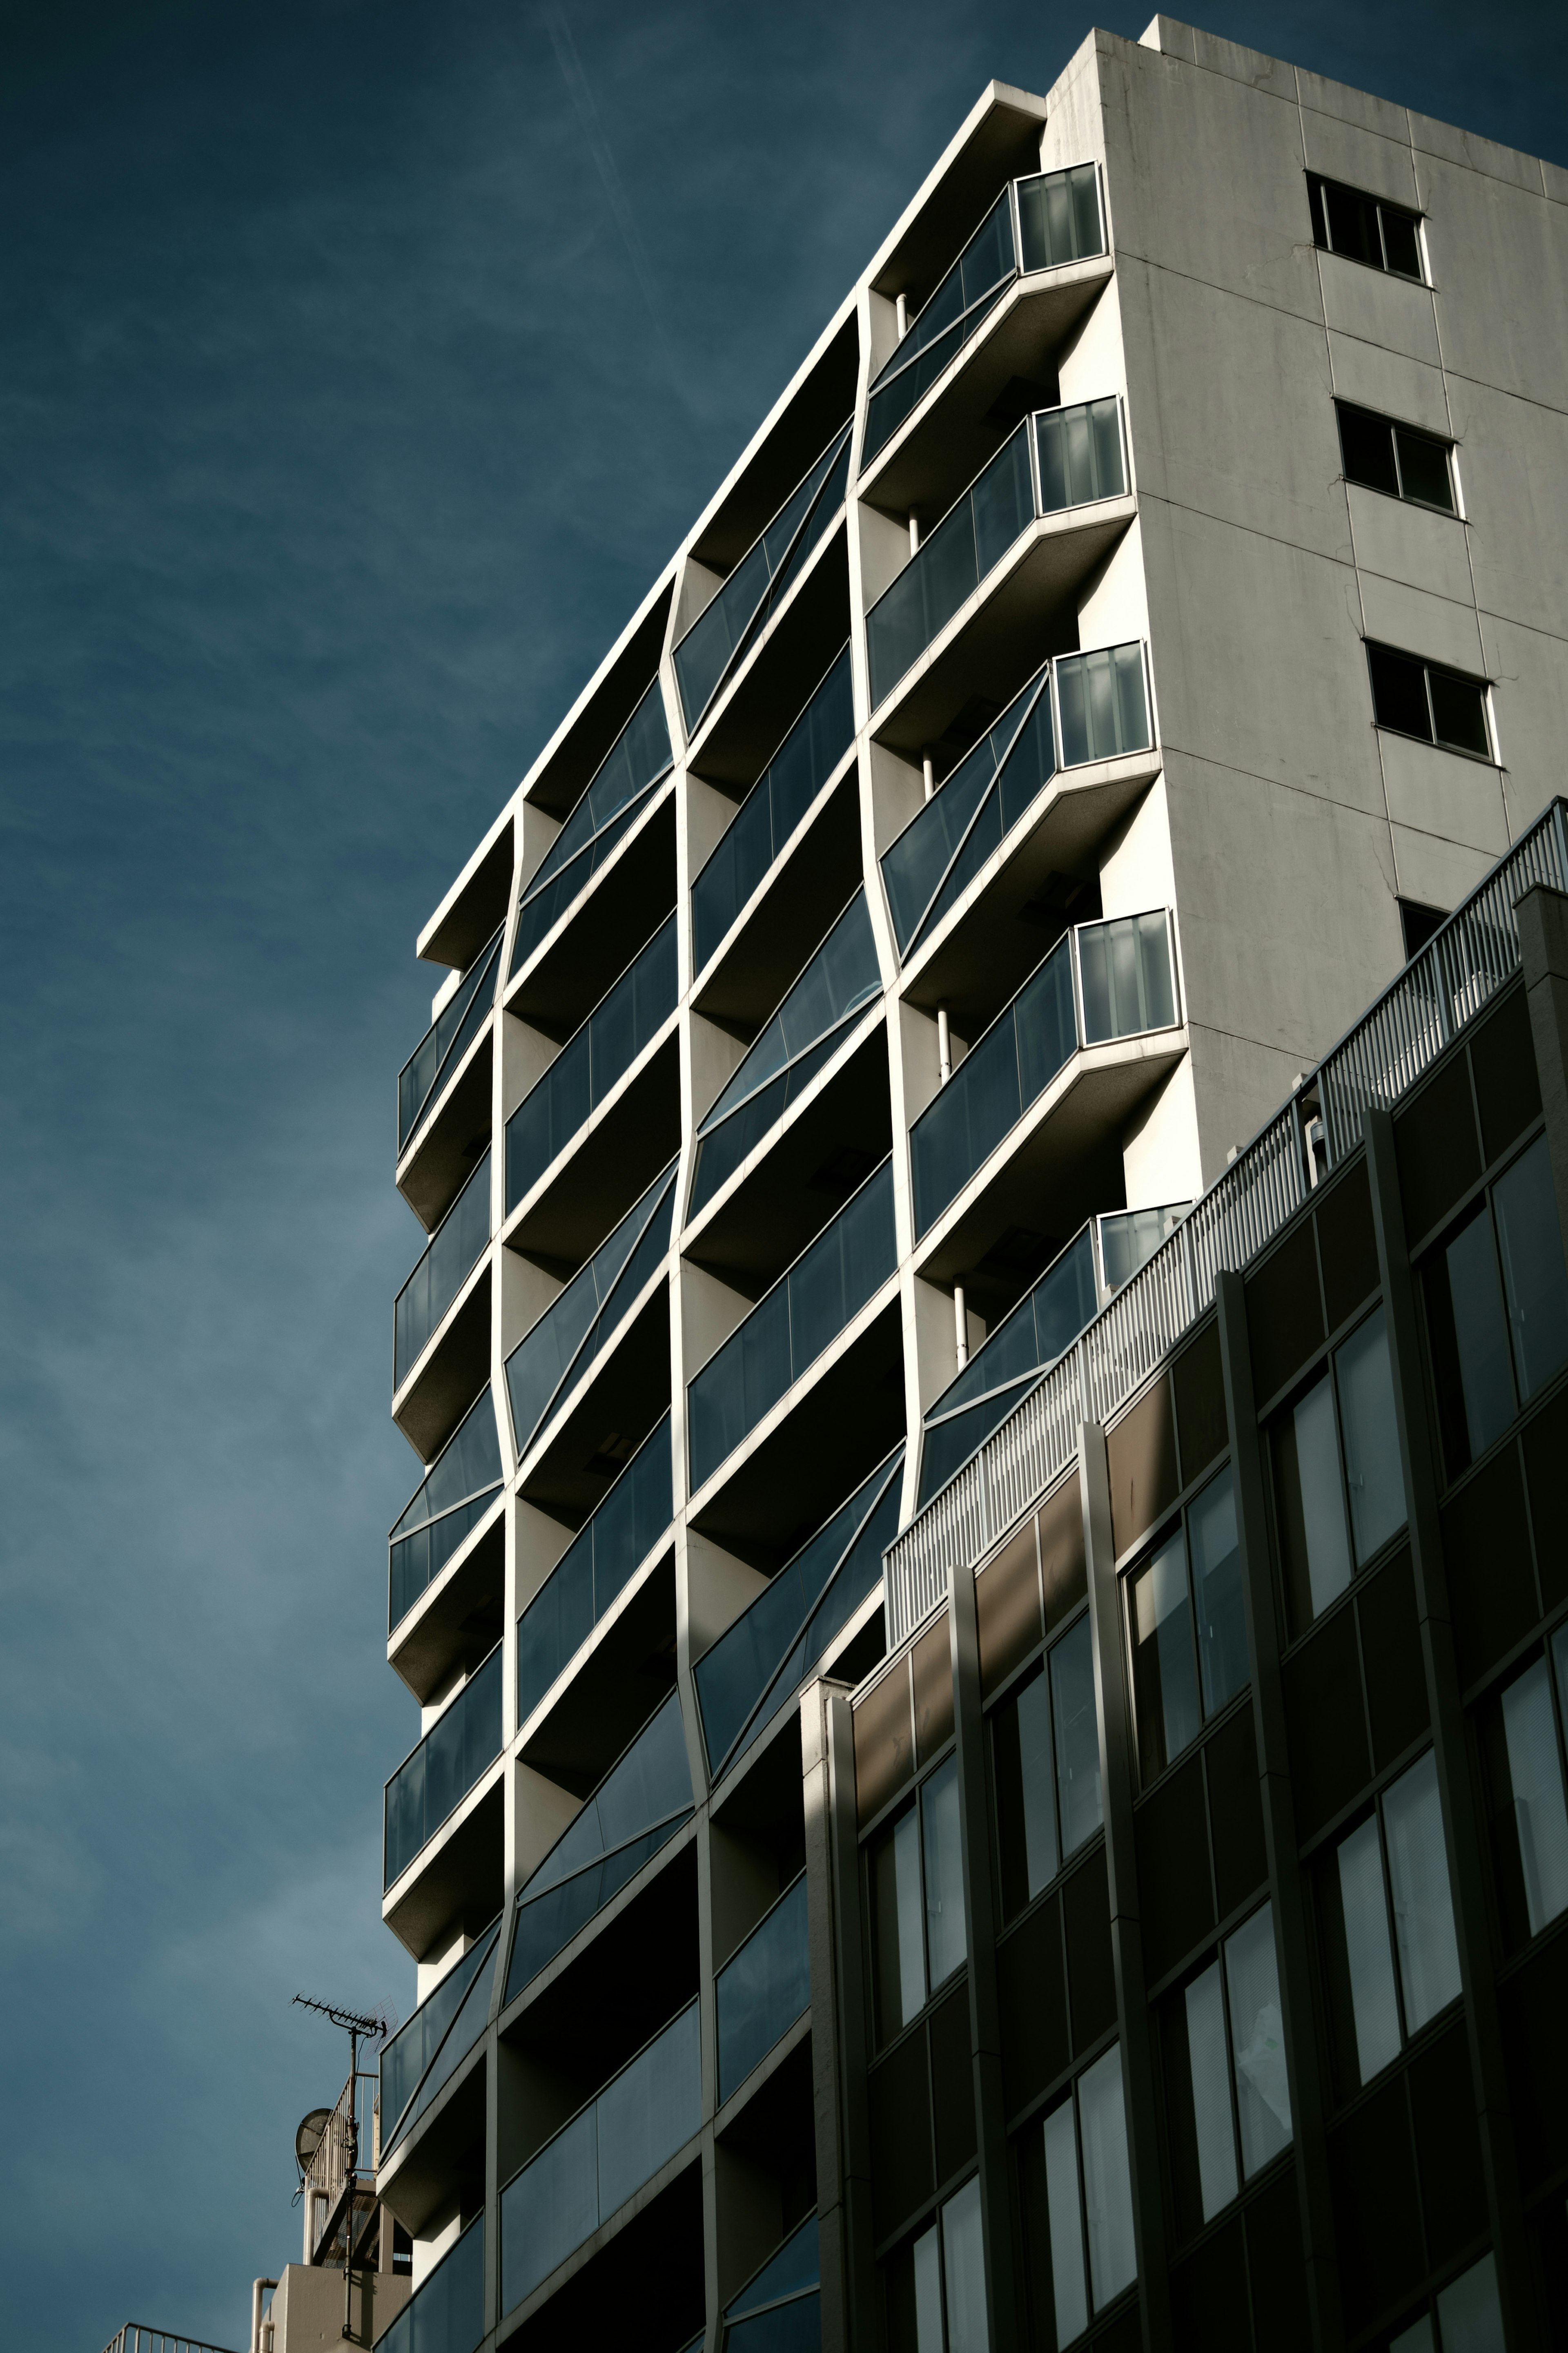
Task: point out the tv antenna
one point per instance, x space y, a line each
359 2028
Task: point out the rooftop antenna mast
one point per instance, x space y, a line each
358 2028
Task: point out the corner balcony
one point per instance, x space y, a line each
759 1663
615 1080
1040 1100
426 2053
601 1562
445 2314
431 1789
442 1092
763 1990
441 1573
441 1338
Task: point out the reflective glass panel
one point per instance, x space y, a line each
762 1989
1530 1241
1077 1738
964 2266
1103 707
445 2314
1164 1670
1216 1581
591 1063
1080 454
1025 1809
619 1533
1418 1882
945 322
947 1944
1059 217
632 765
1310 1503
567 1337
1258 2039
1068 2285
1106 2181
1470 1348
1040 1329
1372 1472
447 1260
1124 967
963 549
1469 2316
1535 1774
1210 2066
897 1936
1373 2002
445 1041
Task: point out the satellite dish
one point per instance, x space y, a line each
308 2138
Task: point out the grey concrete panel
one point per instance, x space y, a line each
1356 106
1379 310
1435 627
1554 180
1499 262
1366 159
1529 706
1443 793
1469 149
1410 544
1243 64
1377 378
1513 467
1436 871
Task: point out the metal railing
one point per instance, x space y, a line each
137 2337
1380 1058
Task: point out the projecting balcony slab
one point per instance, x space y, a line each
458 1616
949 437
1061 1161
417 2180
455 1882
601 1694
583 953
1025 608
748 716
786 915
613 1156
454 1133
440 1386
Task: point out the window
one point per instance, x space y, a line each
1227 2092
1339 1491
1044 1757
1419 921
1418 698
918 1935
1396 458
1188 1626
1522 1745
1497 1307
1364 229
1467 2314
936 2287
1077 2197
1390 1953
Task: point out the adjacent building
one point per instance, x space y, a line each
988 1647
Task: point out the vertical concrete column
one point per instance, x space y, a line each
492 2172
1150 2227
840 2043
1302 2051
1004 2300
1543 951
1461 1826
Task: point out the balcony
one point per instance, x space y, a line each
773 811
775 1645
1042 222
596 1568
606 810
791 1325
1101 982
435 1777
592 1063
424 2055
779 2310
610 2150
424 1076
803 1034
445 2314
579 1323
763 1989
449 1258
735 618
457 1491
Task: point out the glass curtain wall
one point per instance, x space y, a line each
456 1493
596 1567
446 1040
436 1777
603 813
453 1251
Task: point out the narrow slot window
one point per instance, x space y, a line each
1188 1628
914 1870
1044 1757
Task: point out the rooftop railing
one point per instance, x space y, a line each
1102 981
610 2148
763 1989
447 1260
813 1019
446 2313
445 1043
453 1497
596 1567
774 1646
1440 991
579 1323
606 811
1041 222
595 1058
792 1325
774 810
736 616
137 2337
425 2054
437 1774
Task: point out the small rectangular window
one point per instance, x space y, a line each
1075 2166
1045 1754
1339 1491
1497 1307
1421 698
935 2287
1395 459
1188 1626
1364 229
1390 1951
914 1870
1521 1746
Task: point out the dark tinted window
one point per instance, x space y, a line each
1364 229
1395 459
1497 1307
1418 698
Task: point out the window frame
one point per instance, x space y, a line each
1172 2016
1151 1543
1487 1713
1323 234
1324 1365
909 1799
1433 740
1008 1692
1395 425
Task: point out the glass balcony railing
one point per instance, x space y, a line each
578 1322
446 1042
1038 223
941 850
812 1022
642 1802
592 1062
445 2314
1125 985
774 1646
792 1325
780 2310
601 2159
763 1989
1060 457
606 809
435 1777
772 812
453 1251
598 1565
425 2054
1042 1328
736 616
1128 1239
454 1496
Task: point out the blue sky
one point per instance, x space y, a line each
360 365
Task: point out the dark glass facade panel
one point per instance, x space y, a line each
454 1496
437 1776
915 1883
618 1535
1228 2097
1031 1337
1520 1737
1438 706
1497 1308
1198 1383
445 1041
934 2290
424 2055
774 810
1339 1489
1076 2201
603 814
1364 229
1284 1312
763 1989
739 612
1102 704
961 552
1391 1960
779 2310
445 2314
1188 1628
1045 1750
449 1257
1395 459
1079 454
792 1325
972 288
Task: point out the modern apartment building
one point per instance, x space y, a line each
1137 626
